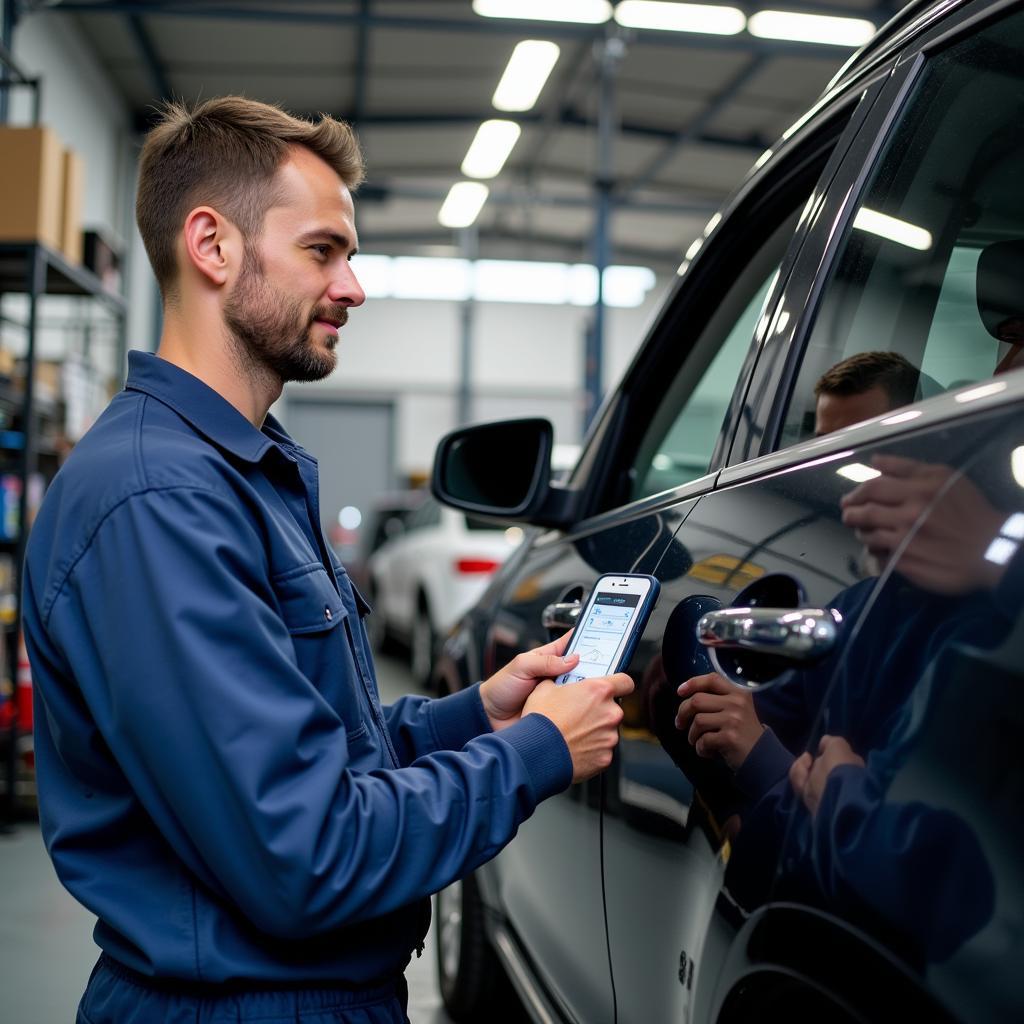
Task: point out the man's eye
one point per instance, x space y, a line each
321 250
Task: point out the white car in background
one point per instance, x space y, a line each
424 579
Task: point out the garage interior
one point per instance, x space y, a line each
529 301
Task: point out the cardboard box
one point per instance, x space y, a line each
71 207
31 200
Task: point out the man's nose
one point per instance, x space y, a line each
345 288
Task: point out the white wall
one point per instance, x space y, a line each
527 360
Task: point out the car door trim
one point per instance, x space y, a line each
636 510
918 416
824 241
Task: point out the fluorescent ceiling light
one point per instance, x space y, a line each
1017 465
985 391
464 201
431 277
1014 526
810 28
580 12
1001 550
515 281
893 229
525 74
858 472
455 280
490 148
902 417
672 17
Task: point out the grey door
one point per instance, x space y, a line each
353 442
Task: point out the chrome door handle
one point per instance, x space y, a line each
799 634
561 615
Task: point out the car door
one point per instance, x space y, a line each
656 449
740 903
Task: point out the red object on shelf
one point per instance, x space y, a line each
24 688
6 712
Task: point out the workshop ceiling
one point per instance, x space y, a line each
692 113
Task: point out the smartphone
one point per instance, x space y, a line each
610 625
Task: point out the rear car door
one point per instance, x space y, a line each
736 895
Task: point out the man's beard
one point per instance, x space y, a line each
273 332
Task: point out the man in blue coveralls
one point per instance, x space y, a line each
218 781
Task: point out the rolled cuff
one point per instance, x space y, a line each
543 751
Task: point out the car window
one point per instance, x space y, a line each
680 441
428 514
926 293
476 523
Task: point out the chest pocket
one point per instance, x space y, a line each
315 617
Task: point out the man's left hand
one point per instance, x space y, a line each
505 693
809 775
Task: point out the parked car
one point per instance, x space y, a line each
864 585
429 574
386 519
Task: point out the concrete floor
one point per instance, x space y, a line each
46 947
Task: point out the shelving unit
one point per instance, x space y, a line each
35 271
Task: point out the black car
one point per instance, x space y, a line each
870 866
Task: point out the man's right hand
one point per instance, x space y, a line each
586 715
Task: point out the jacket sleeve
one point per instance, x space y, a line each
919 867
189 671
419 725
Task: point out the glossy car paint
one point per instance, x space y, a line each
907 905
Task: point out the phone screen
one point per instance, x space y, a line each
599 640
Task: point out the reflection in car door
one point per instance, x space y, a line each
899 851
901 864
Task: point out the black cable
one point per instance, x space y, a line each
604 903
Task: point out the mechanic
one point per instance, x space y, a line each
218 782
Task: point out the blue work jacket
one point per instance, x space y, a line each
218 781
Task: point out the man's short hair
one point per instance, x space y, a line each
897 376
224 153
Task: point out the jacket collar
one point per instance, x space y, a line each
206 410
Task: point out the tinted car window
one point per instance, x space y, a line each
928 280
684 429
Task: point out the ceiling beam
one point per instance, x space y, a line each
362 71
567 118
568 248
157 76
693 132
375 190
475 25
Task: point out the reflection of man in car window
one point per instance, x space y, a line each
865 385
913 870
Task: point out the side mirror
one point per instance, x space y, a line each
499 469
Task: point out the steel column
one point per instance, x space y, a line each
467 324
609 56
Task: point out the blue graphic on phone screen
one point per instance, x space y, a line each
598 641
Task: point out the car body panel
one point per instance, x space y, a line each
727 906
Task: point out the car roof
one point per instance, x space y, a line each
890 37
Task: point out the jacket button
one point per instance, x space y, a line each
327 614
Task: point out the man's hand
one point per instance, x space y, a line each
946 552
586 715
809 775
719 717
505 693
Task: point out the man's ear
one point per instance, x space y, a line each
212 245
